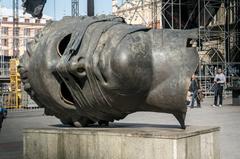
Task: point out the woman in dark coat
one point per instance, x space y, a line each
194 87
1 117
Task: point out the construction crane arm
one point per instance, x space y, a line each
34 7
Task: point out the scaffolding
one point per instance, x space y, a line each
218 24
160 13
15 28
12 96
219 42
75 7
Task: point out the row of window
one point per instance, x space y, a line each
5 19
16 42
6 53
26 31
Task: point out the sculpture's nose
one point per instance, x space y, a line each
78 68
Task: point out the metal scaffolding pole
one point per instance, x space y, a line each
1 51
75 7
90 7
15 29
207 46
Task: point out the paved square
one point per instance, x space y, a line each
227 117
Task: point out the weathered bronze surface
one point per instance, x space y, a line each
85 70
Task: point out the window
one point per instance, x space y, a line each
5 42
4 30
37 21
16 43
27 20
25 41
26 31
6 52
15 53
36 31
16 31
4 19
15 19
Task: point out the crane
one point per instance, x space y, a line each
15 46
75 7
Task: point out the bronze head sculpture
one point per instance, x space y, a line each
85 70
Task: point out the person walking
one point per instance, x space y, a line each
194 87
1 117
219 81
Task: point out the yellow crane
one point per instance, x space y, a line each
12 99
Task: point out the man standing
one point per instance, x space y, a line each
194 87
219 81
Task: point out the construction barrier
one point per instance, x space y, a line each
12 96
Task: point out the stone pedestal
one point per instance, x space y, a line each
122 142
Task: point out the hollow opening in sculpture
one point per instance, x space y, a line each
192 43
66 94
63 44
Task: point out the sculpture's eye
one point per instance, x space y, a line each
63 44
66 94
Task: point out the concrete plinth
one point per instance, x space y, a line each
122 142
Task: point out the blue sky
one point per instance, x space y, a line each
63 7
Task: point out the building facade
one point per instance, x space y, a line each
145 12
13 41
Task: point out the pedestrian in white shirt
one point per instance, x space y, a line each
219 81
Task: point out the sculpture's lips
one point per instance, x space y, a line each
95 69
